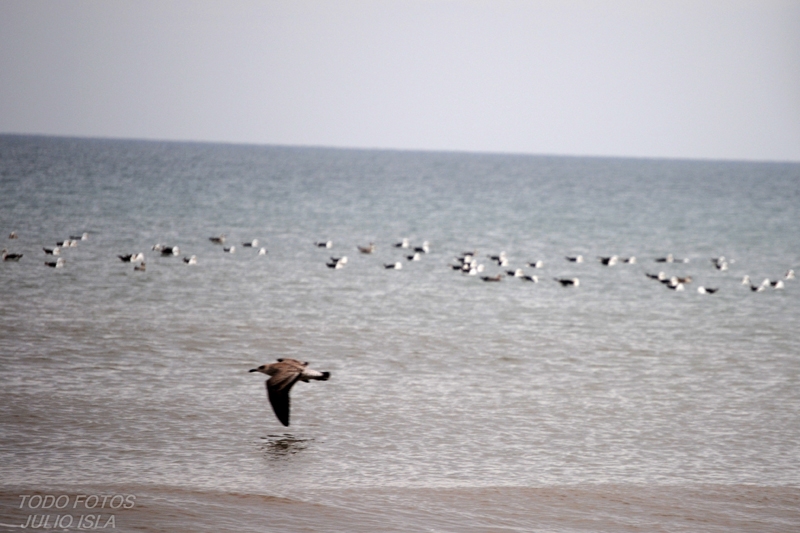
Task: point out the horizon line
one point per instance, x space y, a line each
410 150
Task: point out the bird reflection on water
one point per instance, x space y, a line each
282 446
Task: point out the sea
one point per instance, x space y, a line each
454 404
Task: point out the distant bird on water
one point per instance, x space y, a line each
324 244
12 235
11 257
424 249
218 240
59 263
367 249
166 250
283 375
574 258
190 260
568 282
670 259
131 258
337 262
52 251
251 244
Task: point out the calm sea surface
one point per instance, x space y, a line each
454 404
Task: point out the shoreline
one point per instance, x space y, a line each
601 508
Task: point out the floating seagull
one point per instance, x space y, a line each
789 274
415 257
501 259
12 235
720 263
283 375
52 251
534 279
575 259
687 279
69 243
324 244
746 280
11 257
629 260
476 269
498 277
518 273
84 236
393 266
609 261
776 284
670 259
366 249
706 290
166 250
59 263
675 286
337 262
661 276
251 244
402 244
218 240
190 260
424 249
262 251
467 259
131 258
230 250
140 268
536 264
569 282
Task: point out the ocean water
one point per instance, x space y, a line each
454 404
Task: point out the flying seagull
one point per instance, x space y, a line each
284 374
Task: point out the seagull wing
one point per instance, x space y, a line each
278 387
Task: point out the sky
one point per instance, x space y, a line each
716 79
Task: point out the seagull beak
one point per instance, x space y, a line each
254 370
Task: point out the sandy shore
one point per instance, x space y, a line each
584 508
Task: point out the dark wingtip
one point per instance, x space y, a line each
325 376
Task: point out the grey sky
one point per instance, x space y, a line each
709 79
